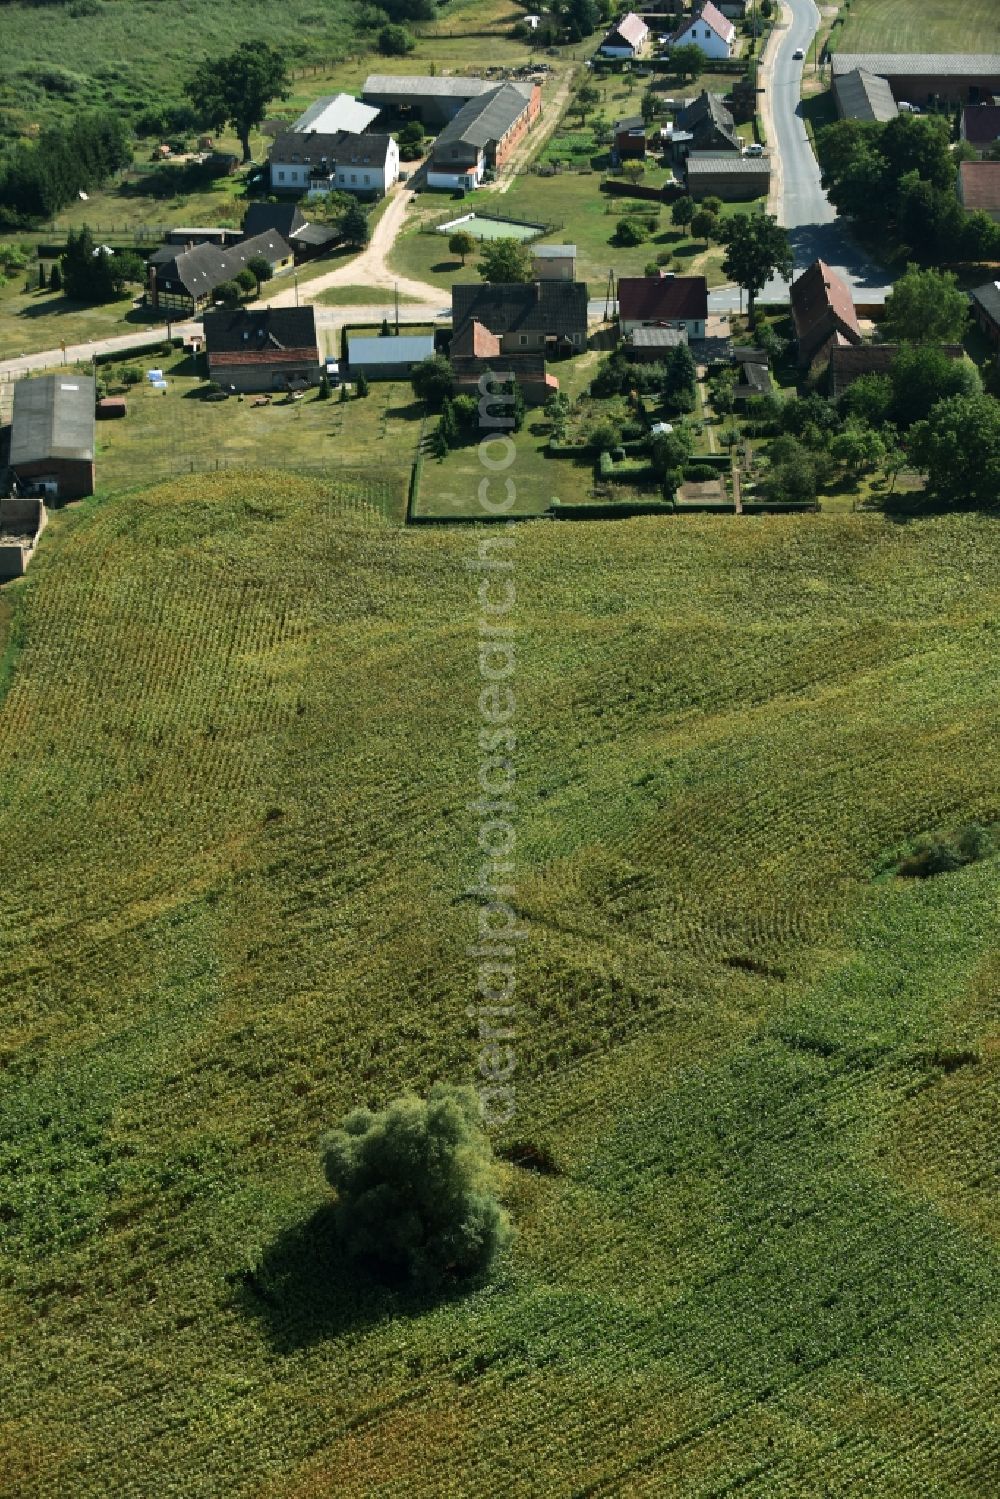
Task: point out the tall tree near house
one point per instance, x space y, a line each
354 225
688 61
261 268
926 307
461 243
958 448
237 89
504 260
757 248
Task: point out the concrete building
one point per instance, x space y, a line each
860 95
669 301
553 262
482 135
21 524
52 435
921 77
727 175
274 348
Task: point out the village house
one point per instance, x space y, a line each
629 140
316 164
922 77
415 96
553 262
860 95
549 317
666 301
980 128
979 188
726 175
627 38
482 135
474 351
186 278
387 358
52 436
709 30
754 375
705 125
823 312
986 309
288 220
262 349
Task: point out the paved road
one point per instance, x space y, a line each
812 222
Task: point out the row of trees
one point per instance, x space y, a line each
897 180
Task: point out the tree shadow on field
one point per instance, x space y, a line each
305 1289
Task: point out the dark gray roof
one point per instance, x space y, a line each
534 306
708 109
241 330
315 234
284 218
864 96
407 85
657 338
918 64
988 298
201 269
53 418
755 380
630 122
315 149
482 121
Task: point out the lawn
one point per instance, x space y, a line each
930 26
176 432
236 758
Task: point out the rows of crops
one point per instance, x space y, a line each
237 753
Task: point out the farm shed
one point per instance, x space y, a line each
52 434
389 358
433 100
264 349
919 77
726 175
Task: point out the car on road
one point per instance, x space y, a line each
754 149
798 53
908 109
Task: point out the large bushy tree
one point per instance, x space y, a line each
757 248
416 1194
958 448
926 307
237 89
504 261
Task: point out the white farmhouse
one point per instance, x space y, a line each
626 38
312 162
709 30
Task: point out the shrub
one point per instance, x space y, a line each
943 853
131 375
415 1188
700 473
630 232
395 41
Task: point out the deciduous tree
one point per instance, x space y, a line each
757 248
926 307
237 89
503 261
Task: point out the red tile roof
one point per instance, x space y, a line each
822 304
981 185
662 299
631 28
716 20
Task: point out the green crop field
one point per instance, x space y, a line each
927 26
237 748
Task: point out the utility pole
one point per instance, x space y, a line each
396 294
295 275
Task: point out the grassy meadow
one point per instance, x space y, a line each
237 749
930 26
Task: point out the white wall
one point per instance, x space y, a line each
700 34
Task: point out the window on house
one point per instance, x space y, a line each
367 179
354 176
524 338
281 175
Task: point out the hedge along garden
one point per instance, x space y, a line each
237 749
